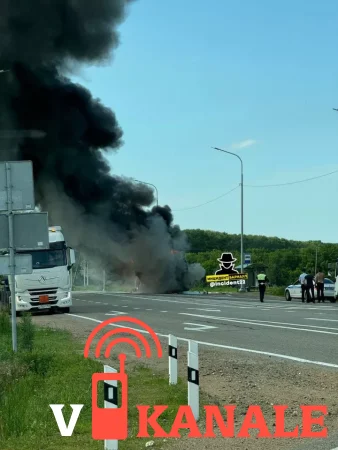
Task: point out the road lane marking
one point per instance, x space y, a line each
201 309
249 304
210 344
260 321
115 313
317 318
182 302
261 324
200 327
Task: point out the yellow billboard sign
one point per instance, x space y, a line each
227 277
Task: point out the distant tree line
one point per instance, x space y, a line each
284 259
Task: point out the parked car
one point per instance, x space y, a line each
335 295
330 290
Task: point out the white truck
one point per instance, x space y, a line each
49 287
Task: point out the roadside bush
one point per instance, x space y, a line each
278 291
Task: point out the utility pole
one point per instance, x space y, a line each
11 253
242 289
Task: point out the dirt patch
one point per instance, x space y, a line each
229 377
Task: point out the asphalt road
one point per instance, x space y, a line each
295 331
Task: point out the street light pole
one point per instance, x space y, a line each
150 184
242 289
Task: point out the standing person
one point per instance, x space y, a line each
302 283
309 283
262 280
319 280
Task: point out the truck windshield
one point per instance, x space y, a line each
43 259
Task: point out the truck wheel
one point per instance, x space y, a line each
65 310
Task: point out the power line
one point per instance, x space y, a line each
258 186
210 201
292 182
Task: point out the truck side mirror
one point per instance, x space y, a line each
71 258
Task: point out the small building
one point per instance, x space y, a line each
252 270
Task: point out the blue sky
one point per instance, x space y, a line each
190 75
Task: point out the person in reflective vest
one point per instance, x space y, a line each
262 280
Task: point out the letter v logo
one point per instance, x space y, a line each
60 420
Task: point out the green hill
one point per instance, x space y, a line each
284 258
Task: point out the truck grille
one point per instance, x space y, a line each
35 293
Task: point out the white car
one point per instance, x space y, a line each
330 290
335 295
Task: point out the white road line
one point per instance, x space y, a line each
325 320
136 308
261 324
249 304
261 321
183 302
239 305
210 344
148 309
201 309
164 311
200 327
115 314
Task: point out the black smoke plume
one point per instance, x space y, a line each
105 216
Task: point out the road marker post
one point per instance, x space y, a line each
172 359
110 401
193 347
193 379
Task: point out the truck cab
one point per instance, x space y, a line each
49 286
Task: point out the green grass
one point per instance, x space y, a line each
87 288
49 368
